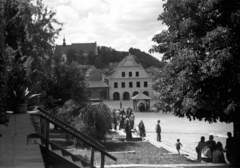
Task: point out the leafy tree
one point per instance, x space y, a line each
94 120
202 45
3 71
65 82
145 59
30 29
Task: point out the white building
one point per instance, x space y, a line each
128 79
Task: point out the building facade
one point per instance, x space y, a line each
128 79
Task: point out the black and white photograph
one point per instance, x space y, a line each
119 83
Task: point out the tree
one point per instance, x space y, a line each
95 120
202 45
30 31
64 82
3 71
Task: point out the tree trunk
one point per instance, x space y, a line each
236 133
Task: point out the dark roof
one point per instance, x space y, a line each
141 96
95 75
97 84
85 47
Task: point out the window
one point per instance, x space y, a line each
115 85
145 84
123 74
130 84
123 84
130 74
137 74
138 84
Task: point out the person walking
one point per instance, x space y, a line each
158 131
178 146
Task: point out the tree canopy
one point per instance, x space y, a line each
30 30
202 47
201 44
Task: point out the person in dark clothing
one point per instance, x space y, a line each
142 130
114 120
128 129
218 156
199 147
229 148
212 142
158 131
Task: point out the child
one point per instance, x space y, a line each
178 146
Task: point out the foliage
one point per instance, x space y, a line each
22 94
145 59
30 29
201 44
3 71
64 82
94 120
69 111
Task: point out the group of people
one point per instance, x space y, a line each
207 151
125 120
210 151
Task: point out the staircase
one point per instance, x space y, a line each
62 156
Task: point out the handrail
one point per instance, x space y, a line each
66 125
77 136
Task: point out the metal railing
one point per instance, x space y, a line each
49 118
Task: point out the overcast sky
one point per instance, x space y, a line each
120 24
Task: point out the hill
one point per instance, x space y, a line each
108 55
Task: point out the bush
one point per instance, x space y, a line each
94 120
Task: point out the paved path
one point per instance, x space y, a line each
14 152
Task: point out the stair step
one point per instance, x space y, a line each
59 152
79 163
68 157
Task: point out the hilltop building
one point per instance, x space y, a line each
128 79
84 47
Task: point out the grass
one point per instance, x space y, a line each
145 153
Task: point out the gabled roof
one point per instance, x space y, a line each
128 61
141 96
95 75
85 47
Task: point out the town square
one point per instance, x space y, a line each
119 83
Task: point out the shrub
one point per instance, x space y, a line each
94 120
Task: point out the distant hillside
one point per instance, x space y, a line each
107 55
108 58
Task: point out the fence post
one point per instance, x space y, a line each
102 160
46 134
92 156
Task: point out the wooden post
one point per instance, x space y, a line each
102 160
46 134
92 157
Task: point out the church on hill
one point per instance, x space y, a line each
84 47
